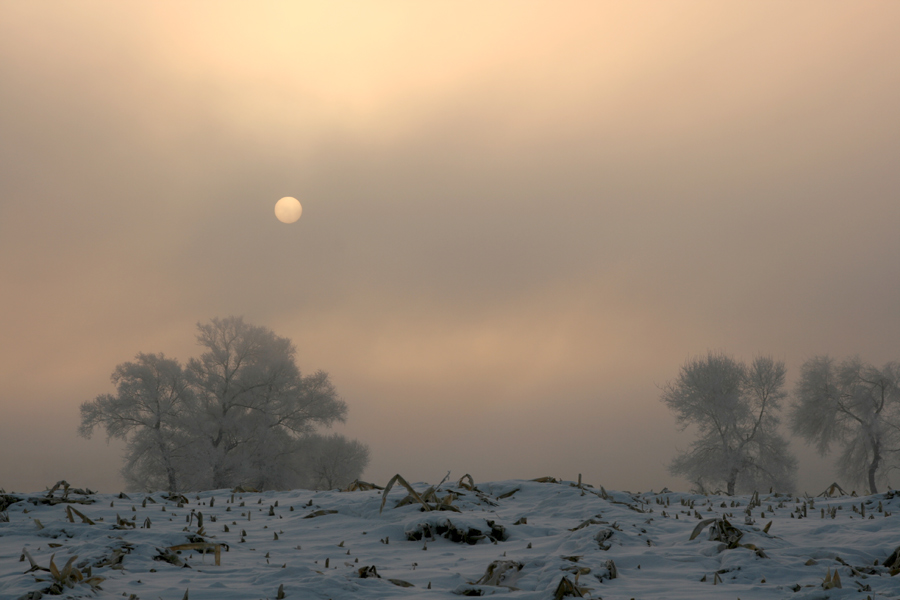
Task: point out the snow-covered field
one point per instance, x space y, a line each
519 539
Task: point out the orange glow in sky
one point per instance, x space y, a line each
520 218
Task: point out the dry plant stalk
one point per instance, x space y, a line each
398 479
723 531
67 577
468 486
700 527
594 521
61 482
320 513
567 588
546 479
72 511
361 486
507 494
831 581
502 573
366 572
833 490
202 546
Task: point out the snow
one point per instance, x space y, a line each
627 546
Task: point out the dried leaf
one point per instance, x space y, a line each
567 588
54 571
319 513
469 486
700 527
398 479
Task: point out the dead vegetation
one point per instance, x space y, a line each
493 532
60 579
7 500
361 486
176 497
546 479
892 562
508 494
832 491
501 573
368 571
466 485
49 499
567 588
67 489
320 513
592 521
429 499
832 581
202 547
116 558
602 536
72 512
722 531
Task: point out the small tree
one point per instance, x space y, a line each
734 409
151 402
334 461
855 405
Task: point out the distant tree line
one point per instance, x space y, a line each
735 408
239 414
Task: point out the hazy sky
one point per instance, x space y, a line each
520 218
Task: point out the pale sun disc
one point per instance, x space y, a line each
288 209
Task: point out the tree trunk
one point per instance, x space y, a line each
170 472
873 467
218 468
732 478
220 476
167 461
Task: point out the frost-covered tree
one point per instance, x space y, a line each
252 399
151 403
334 461
856 406
734 408
241 413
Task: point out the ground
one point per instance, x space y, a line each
519 539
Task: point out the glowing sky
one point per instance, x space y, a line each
519 218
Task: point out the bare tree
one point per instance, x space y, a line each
151 401
735 411
855 405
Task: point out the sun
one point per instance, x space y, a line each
288 209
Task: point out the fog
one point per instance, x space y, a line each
519 218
